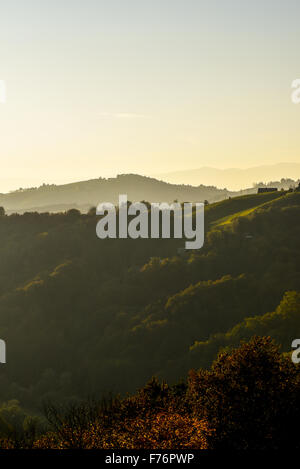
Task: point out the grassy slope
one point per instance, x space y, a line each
225 211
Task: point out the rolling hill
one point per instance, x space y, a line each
83 195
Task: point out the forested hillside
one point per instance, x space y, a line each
83 316
84 194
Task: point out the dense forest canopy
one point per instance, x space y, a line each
248 399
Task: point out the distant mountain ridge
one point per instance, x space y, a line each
233 178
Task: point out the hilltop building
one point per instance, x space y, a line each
266 189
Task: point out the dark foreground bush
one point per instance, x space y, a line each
249 399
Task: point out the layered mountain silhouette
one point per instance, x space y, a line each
233 178
86 194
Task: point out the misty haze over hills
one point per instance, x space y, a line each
86 194
233 178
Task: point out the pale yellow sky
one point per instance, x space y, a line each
97 88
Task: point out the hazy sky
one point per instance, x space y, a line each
100 87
